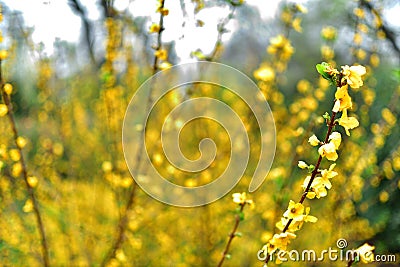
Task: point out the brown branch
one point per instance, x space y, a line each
123 223
231 235
31 193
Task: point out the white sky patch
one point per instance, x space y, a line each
54 19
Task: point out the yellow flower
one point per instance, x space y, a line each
348 123
342 95
8 88
329 33
326 175
269 248
164 65
3 110
294 211
353 75
32 181
296 24
280 45
28 207
302 165
162 54
154 28
264 73
106 166
317 188
280 241
296 225
335 138
313 140
366 253
328 151
3 54
21 142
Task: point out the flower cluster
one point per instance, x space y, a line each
318 182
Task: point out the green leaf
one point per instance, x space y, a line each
228 256
241 216
311 168
326 116
238 234
198 54
321 70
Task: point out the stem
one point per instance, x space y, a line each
231 235
349 263
123 222
31 193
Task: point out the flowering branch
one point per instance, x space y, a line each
6 90
317 184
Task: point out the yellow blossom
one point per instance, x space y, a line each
14 154
313 140
329 33
342 95
280 241
3 110
106 166
296 24
329 151
326 175
32 181
154 28
317 188
302 165
264 73
162 54
21 142
366 253
281 46
336 139
353 75
3 54
164 65
348 123
294 211
8 88
28 207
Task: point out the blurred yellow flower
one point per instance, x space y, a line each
348 123
366 253
353 75
3 54
162 54
154 28
281 46
296 24
164 65
328 151
3 110
313 140
8 88
28 207
21 142
264 73
329 33
32 181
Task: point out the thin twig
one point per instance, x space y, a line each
31 193
231 235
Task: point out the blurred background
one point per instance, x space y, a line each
74 66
